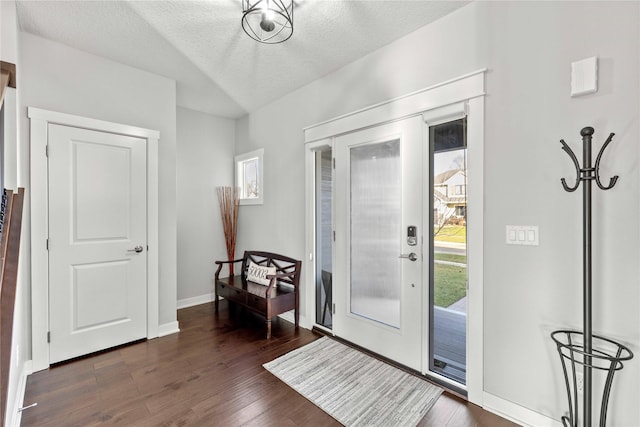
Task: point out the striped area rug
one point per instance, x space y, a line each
354 388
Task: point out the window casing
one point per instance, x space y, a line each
249 177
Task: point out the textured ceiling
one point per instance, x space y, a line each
201 45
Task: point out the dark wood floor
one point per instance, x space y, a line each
210 374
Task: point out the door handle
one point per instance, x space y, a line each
137 249
412 256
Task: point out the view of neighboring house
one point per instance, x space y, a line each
449 196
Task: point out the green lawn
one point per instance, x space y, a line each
450 284
451 257
452 233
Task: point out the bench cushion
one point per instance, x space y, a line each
259 273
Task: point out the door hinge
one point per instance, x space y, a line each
334 162
47 243
46 150
333 308
334 235
49 337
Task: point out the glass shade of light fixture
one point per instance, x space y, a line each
268 21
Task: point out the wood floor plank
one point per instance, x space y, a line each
208 374
442 411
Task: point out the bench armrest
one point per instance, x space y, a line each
228 262
221 263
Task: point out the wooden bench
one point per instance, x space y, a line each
281 294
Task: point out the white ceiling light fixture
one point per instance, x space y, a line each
268 21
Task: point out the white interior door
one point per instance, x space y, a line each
97 240
377 282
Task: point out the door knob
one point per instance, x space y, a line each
412 256
137 249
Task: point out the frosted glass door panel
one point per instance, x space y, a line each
376 221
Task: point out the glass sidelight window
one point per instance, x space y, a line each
324 237
448 281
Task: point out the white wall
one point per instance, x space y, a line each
529 291
13 164
59 78
204 160
9 26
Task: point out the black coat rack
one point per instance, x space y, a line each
582 352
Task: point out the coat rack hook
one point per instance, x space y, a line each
586 172
613 179
571 154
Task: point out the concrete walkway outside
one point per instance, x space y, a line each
459 306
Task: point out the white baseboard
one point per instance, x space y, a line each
168 329
516 413
13 414
288 316
190 302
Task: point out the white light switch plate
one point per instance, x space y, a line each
584 76
522 235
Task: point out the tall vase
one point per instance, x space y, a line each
229 203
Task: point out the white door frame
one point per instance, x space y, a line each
39 123
469 88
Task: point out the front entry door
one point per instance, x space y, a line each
97 240
377 281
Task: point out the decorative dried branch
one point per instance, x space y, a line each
229 201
